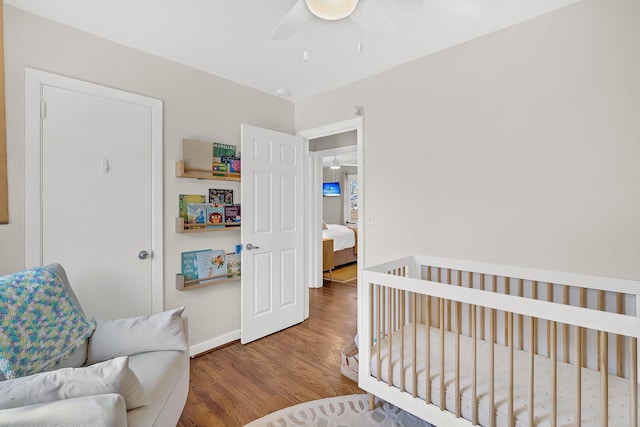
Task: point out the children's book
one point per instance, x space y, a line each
212 263
233 263
183 202
190 264
232 214
197 213
220 196
233 162
222 150
215 215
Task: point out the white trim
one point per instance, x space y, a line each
34 81
313 263
207 345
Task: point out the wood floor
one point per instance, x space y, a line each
236 384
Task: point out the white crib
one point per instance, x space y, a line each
481 344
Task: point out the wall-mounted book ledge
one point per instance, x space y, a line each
181 172
183 227
184 285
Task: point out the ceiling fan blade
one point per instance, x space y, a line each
292 21
373 19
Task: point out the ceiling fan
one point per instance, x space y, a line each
375 19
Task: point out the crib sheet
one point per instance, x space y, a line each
618 387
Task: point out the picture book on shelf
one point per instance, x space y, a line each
222 150
190 264
197 213
233 162
212 263
220 196
215 215
232 214
183 202
233 263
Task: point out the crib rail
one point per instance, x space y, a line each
435 331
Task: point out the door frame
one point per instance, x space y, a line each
34 81
313 200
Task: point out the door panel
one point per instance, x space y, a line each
96 199
272 276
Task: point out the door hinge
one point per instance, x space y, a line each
43 110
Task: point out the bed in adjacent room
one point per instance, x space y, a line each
345 243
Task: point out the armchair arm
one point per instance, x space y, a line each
101 410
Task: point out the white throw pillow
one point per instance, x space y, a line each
134 335
113 376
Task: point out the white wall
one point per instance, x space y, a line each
196 106
520 147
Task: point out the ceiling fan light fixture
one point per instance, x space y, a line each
335 164
332 10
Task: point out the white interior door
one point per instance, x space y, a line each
272 232
97 198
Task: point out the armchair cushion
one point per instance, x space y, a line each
41 321
113 376
134 335
102 410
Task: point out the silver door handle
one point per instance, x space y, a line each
143 254
250 246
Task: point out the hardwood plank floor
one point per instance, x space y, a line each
237 384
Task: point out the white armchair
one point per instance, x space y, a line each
106 372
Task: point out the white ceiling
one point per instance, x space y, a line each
231 38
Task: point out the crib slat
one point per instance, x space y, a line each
449 302
389 337
510 417
474 367
578 375
550 299
492 373
534 295
427 344
553 358
532 339
583 347
633 382
414 345
601 305
604 378
565 327
620 338
379 331
482 309
507 291
458 318
442 328
401 319
469 285
439 280
494 288
519 317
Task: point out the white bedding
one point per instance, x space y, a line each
343 237
618 387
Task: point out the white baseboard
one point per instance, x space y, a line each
213 343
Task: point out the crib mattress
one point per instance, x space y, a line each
618 387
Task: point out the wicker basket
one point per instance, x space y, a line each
349 365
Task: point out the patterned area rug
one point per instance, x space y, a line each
351 411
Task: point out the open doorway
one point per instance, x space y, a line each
339 206
352 128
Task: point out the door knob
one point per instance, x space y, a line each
143 254
250 246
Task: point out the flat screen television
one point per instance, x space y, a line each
331 189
